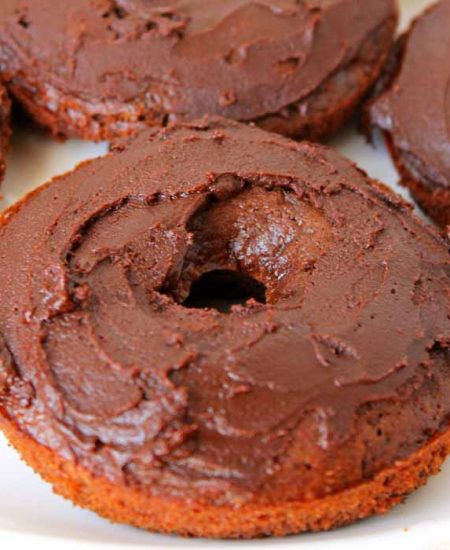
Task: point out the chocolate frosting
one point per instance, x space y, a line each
103 362
238 58
415 110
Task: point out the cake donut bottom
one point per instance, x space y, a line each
387 489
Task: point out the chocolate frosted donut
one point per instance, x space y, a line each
4 128
130 382
102 68
414 112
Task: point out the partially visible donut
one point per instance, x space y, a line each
102 68
5 108
321 399
414 111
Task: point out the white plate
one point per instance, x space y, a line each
31 516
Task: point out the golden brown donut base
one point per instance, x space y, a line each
316 117
127 505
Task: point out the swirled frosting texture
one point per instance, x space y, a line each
101 361
416 108
238 58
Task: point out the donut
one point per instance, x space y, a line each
413 112
4 128
99 69
215 331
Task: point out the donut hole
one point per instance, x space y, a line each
221 289
245 242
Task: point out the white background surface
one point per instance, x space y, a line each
32 517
